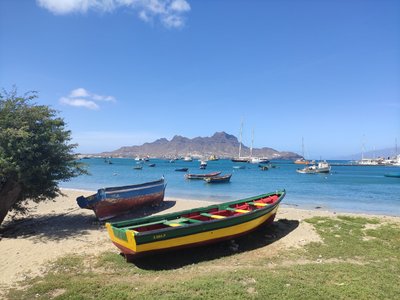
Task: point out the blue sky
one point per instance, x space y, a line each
125 72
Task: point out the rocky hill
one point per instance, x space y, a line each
220 144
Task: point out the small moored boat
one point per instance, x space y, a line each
213 157
322 167
203 164
202 176
307 170
218 179
181 169
259 160
194 227
114 201
395 175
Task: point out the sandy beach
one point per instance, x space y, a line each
57 228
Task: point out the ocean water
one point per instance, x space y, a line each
359 189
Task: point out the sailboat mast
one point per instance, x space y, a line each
252 141
363 148
240 138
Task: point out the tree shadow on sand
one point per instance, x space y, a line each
57 227
262 237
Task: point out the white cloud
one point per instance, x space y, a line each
144 16
169 12
80 97
180 5
172 21
79 103
80 92
61 7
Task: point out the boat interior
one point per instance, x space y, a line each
195 217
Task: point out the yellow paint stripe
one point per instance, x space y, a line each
174 224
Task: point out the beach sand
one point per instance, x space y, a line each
57 228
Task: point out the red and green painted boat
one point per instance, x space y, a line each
194 227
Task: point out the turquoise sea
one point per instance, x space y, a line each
359 189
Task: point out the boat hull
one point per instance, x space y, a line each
133 244
323 170
218 179
202 176
394 175
116 201
245 160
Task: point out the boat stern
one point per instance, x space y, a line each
123 239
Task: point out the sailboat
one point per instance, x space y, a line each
256 160
302 161
239 158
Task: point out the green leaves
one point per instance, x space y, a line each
34 147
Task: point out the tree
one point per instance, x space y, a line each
35 152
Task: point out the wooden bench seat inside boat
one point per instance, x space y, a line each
212 216
173 224
161 223
180 222
238 210
260 204
130 227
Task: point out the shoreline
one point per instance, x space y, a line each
204 202
57 228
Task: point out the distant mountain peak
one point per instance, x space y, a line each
223 135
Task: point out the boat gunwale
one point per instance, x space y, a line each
205 226
186 211
133 186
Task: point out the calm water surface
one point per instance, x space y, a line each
347 189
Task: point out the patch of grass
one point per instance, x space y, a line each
353 238
358 259
115 264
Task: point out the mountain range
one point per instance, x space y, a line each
386 152
220 144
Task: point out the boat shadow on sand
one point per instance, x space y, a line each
264 236
69 224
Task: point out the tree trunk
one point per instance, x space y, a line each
8 196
